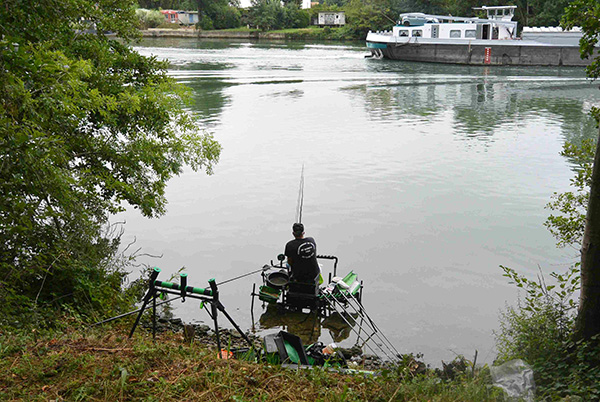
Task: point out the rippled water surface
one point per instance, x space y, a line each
421 178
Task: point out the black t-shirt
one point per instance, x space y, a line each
303 256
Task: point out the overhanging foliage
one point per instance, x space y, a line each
86 124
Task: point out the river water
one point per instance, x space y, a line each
421 178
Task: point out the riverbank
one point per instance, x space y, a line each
312 33
103 364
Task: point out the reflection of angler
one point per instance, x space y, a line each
305 325
339 300
338 325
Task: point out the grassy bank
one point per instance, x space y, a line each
310 33
105 365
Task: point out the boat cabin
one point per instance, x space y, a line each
498 25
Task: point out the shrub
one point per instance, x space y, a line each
539 330
298 18
540 323
149 18
205 23
227 17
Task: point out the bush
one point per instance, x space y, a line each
295 17
89 283
303 19
573 371
227 17
205 23
539 330
149 18
542 322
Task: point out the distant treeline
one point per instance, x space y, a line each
361 15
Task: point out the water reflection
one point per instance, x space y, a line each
308 326
480 108
340 326
209 99
185 43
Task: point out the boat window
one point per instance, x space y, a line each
417 32
455 33
403 32
470 33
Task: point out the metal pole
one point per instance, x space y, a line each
252 305
213 307
222 309
154 317
151 293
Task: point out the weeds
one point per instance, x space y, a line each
539 330
104 366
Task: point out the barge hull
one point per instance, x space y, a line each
475 54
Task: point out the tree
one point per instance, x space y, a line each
218 14
149 18
266 14
86 124
226 17
588 315
568 224
586 13
168 4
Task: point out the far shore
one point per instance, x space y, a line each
313 33
224 34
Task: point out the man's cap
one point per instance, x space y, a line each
298 228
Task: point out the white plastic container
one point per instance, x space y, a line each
329 349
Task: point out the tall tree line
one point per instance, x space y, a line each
528 13
361 15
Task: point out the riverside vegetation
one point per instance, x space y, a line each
102 364
87 124
361 15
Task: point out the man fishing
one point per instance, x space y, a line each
301 253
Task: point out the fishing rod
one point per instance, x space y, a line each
333 303
263 269
360 310
132 312
300 203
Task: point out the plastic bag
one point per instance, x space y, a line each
515 377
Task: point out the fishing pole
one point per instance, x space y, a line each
300 203
132 312
263 269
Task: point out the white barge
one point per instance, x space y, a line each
474 41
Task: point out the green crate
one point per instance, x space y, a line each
268 294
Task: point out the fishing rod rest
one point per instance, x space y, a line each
150 295
182 290
188 289
151 280
330 257
183 285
